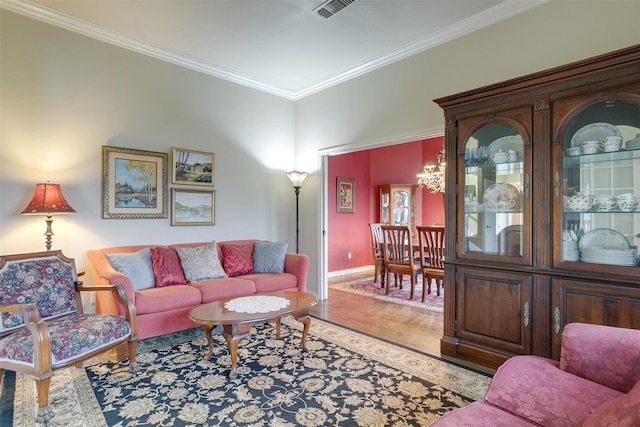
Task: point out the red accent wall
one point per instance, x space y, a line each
396 164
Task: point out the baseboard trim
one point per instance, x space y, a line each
362 269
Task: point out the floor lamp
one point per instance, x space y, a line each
296 179
47 200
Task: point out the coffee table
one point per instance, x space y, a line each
236 325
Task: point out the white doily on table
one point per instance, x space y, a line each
256 304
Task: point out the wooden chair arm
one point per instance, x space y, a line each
39 333
119 293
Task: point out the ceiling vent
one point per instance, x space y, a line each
331 7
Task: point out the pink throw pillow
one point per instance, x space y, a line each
167 268
623 411
237 260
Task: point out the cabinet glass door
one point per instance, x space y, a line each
601 185
494 179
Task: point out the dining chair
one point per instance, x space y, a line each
398 255
43 328
376 251
431 248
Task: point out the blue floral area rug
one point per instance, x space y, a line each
345 379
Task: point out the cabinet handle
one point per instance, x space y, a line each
527 186
526 314
556 183
556 320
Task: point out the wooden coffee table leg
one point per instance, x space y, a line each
306 321
234 334
207 333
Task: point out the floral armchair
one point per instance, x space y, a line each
42 326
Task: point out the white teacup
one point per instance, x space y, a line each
626 205
610 143
590 147
574 151
605 203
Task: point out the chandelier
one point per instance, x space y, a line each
432 175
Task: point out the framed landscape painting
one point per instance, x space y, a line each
191 167
192 207
346 193
134 183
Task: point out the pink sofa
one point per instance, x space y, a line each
596 383
161 310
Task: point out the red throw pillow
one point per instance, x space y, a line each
237 260
167 268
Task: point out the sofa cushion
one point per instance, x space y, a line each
268 257
167 298
623 411
479 414
167 269
273 282
536 389
237 260
136 266
214 290
200 262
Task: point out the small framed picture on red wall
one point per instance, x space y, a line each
346 192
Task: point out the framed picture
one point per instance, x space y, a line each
346 192
190 167
134 183
192 207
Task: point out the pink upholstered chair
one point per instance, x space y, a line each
43 328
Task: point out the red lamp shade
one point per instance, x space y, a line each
47 199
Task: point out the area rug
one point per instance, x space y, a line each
346 379
367 287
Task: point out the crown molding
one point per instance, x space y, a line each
488 17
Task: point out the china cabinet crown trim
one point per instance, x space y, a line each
543 108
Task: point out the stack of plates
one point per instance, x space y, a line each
570 251
607 246
632 144
597 255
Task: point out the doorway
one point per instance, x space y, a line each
327 197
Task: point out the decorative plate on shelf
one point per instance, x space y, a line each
506 143
604 238
502 196
593 132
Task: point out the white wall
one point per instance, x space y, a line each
63 96
395 101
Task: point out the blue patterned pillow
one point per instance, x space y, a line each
268 257
136 265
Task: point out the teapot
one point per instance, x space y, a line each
578 202
500 156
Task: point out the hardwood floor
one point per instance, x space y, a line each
417 329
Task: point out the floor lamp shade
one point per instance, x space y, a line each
47 200
296 179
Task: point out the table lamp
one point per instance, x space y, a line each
48 199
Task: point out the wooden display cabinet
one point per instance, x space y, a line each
532 242
398 205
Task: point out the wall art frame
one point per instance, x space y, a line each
346 195
192 207
134 183
192 167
